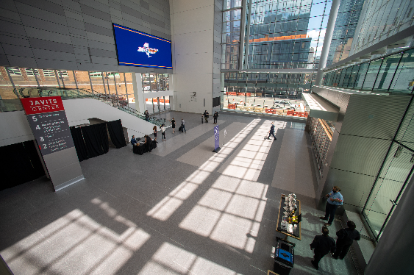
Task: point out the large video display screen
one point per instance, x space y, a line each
135 48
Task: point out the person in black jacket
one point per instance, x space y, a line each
321 246
206 115
148 143
345 239
215 116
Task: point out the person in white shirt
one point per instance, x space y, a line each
163 132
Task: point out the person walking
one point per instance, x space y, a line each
321 245
206 115
155 132
173 124
215 116
346 237
272 132
146 115
183 125
163 132
334 200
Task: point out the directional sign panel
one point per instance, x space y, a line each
51 131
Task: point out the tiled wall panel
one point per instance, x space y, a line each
54 34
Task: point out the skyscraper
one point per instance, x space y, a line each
344 31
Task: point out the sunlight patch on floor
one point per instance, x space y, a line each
77 242
168 205
250 160
170 259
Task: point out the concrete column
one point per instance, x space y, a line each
394 252
138 92
328 38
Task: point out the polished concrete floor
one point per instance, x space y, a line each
180 209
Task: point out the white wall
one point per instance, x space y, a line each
15 128
192 26
78 111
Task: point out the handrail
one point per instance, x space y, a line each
113 100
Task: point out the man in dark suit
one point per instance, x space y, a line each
321 246
345 239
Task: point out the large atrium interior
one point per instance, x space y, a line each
303 96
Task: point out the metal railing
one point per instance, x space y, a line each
10 100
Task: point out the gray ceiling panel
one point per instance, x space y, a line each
12 28
45 25
8 5
52 46
3 60
38 13
17 50
44 5
72 5
21 61
97 29
7 39
95 13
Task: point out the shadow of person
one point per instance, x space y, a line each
312 219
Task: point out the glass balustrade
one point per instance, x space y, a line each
391 74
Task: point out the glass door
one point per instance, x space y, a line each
384 197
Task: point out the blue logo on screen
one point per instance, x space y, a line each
146 49
135 48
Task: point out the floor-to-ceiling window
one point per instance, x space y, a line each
112 87
263 43
396 171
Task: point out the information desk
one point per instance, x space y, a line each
296 232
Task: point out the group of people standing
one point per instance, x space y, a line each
182 128
323 244
206 115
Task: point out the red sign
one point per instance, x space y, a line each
37 105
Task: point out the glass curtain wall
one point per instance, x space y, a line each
344 30
230 38
382 19
392 73
275 35
152 82
110 86
270 93
285 34
393 177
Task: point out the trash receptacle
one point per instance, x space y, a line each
284 257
